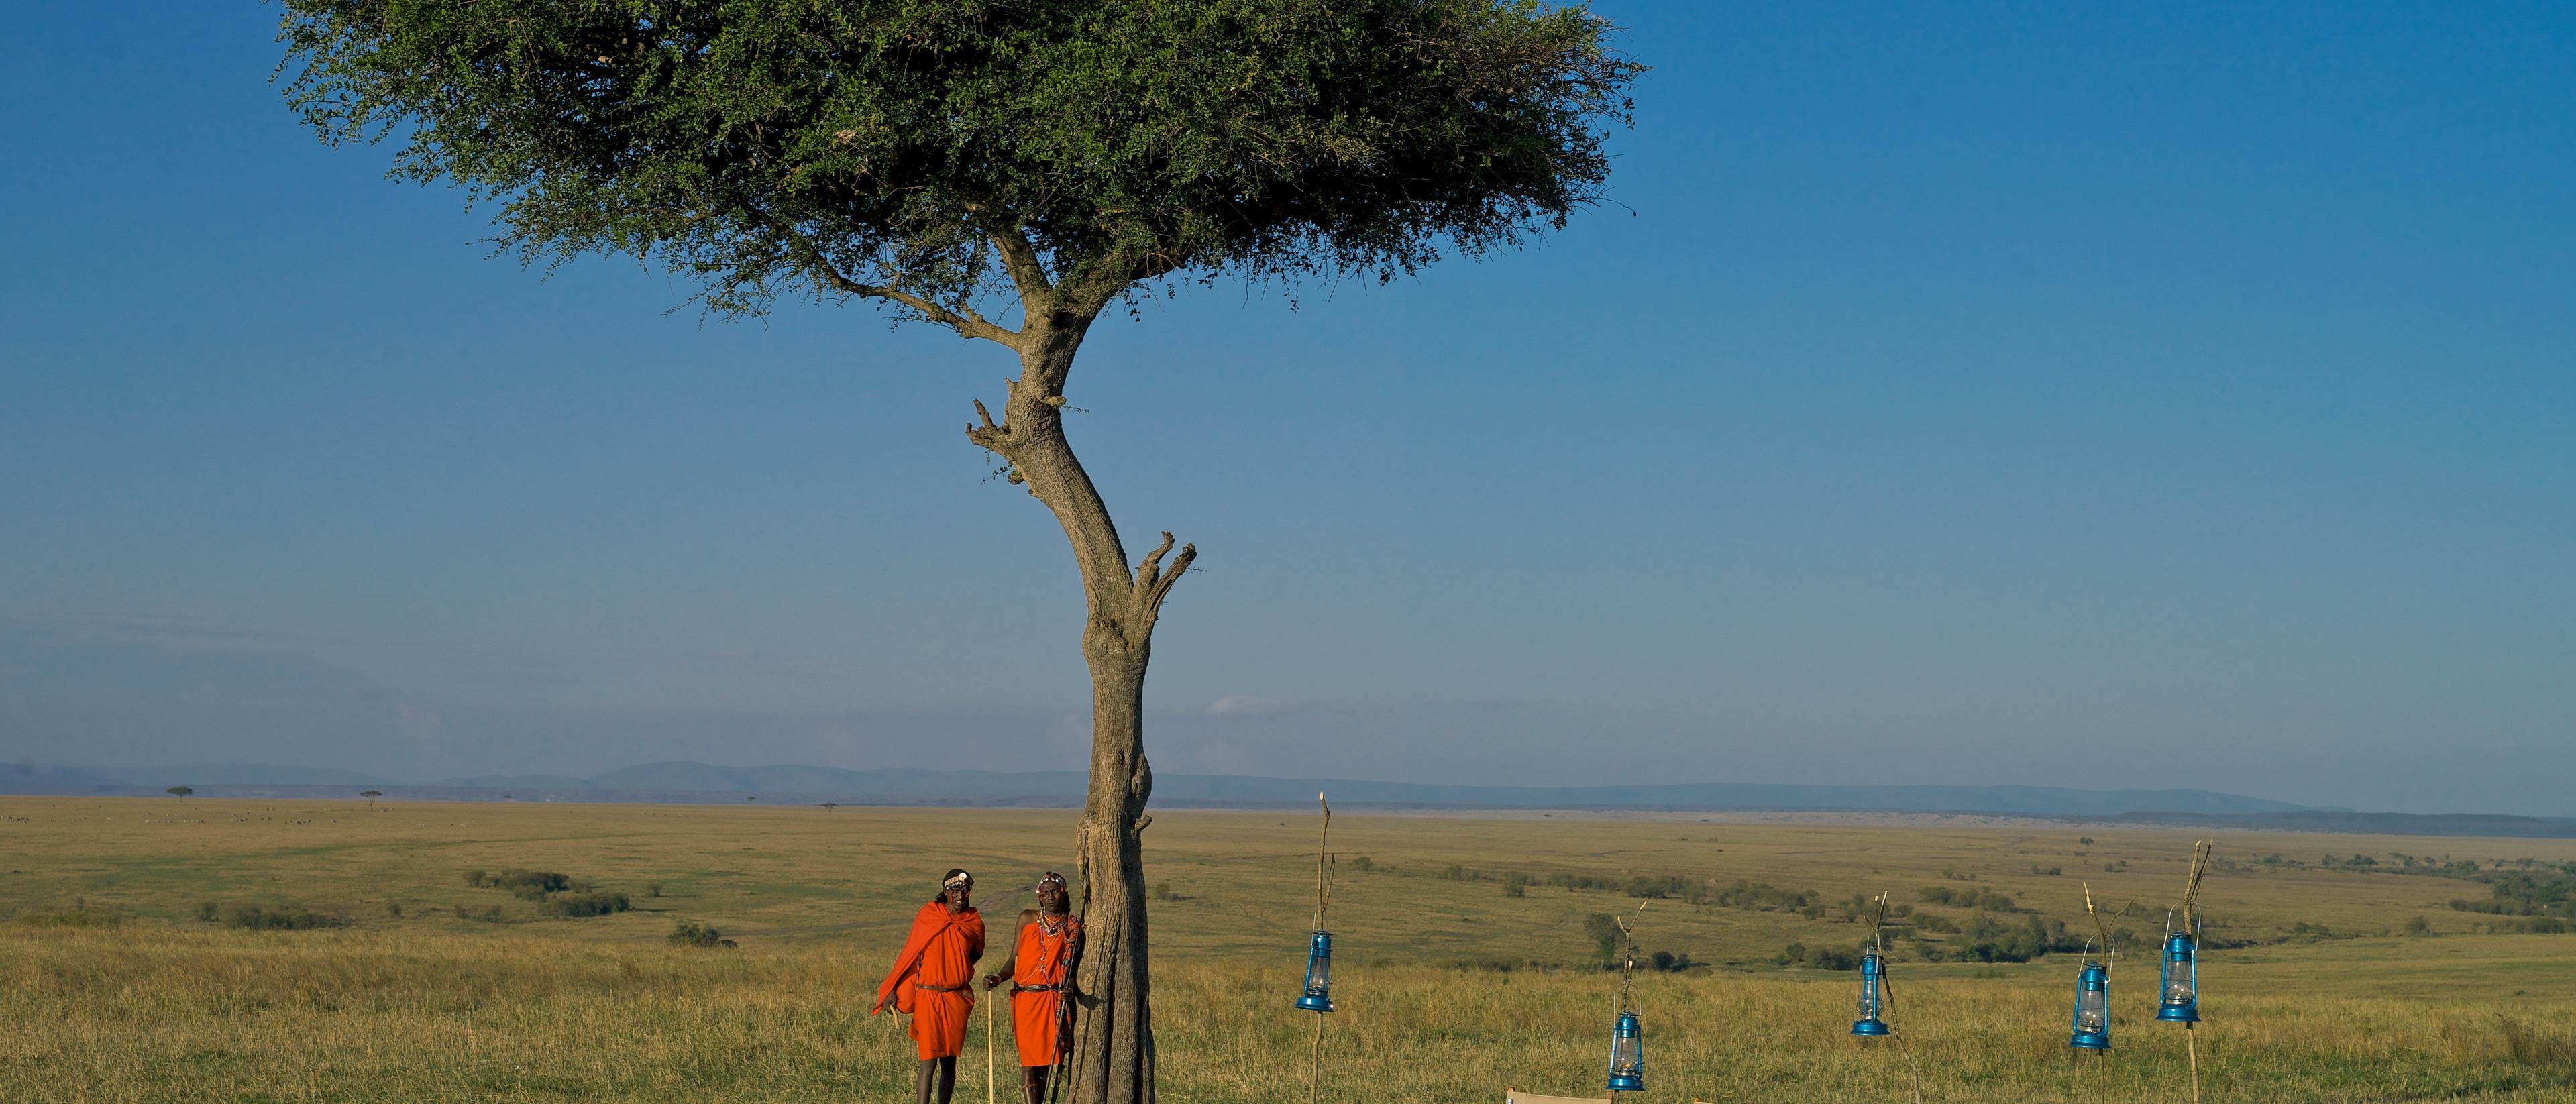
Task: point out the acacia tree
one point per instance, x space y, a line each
1008 170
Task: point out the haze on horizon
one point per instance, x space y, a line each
1965 394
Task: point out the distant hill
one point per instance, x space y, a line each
1066 787
684 781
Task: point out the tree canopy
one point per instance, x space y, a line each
935 153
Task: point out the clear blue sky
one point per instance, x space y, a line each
2147 395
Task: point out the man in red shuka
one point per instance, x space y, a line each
933 979
1040 970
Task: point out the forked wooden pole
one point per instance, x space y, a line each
1323 900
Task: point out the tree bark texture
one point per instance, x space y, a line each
1112 1058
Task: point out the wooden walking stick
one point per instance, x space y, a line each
988 1048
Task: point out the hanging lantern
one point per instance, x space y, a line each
2181 1001
1627 1055
1319 975
1873 971
2092 1009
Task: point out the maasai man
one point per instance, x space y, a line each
933 979
1040 970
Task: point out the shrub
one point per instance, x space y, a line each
588 904
653 889
1363 863
1828 958
1516 885
1793 953
266 917
1604 930
690 933
527 885
489 914
393 909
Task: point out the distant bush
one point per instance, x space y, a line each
1828 958
1604 930
80 915
266 917
1792 954
527 885
1516 885
393 909
690 933
595 903
1669 962
653 889
1983 899
1933 922
489 914
1363 863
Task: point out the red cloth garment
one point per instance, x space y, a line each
930 978
1041 959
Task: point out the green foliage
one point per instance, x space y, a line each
690 933
526 885
1516 884
1603 929
266 917
765 146
1985 899
1984 938
594 903
179 791
1828 958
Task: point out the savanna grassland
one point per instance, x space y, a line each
193 949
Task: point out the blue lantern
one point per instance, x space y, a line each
1627 1055
1873 973
1319 975
2092 1009
2181 1001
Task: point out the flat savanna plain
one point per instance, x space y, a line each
1450 987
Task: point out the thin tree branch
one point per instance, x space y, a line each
962 319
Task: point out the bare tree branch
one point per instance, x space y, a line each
1146 571
1162 585
962 319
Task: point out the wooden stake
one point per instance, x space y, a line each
988 1048
1323 900
2191 1043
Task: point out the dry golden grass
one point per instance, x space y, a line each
160 1007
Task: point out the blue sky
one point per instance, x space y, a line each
2177 395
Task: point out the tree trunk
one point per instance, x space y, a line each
1112 1059
1113 1029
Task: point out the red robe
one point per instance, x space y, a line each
930 978
1041 959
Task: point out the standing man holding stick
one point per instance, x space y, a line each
1040 970
933 980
